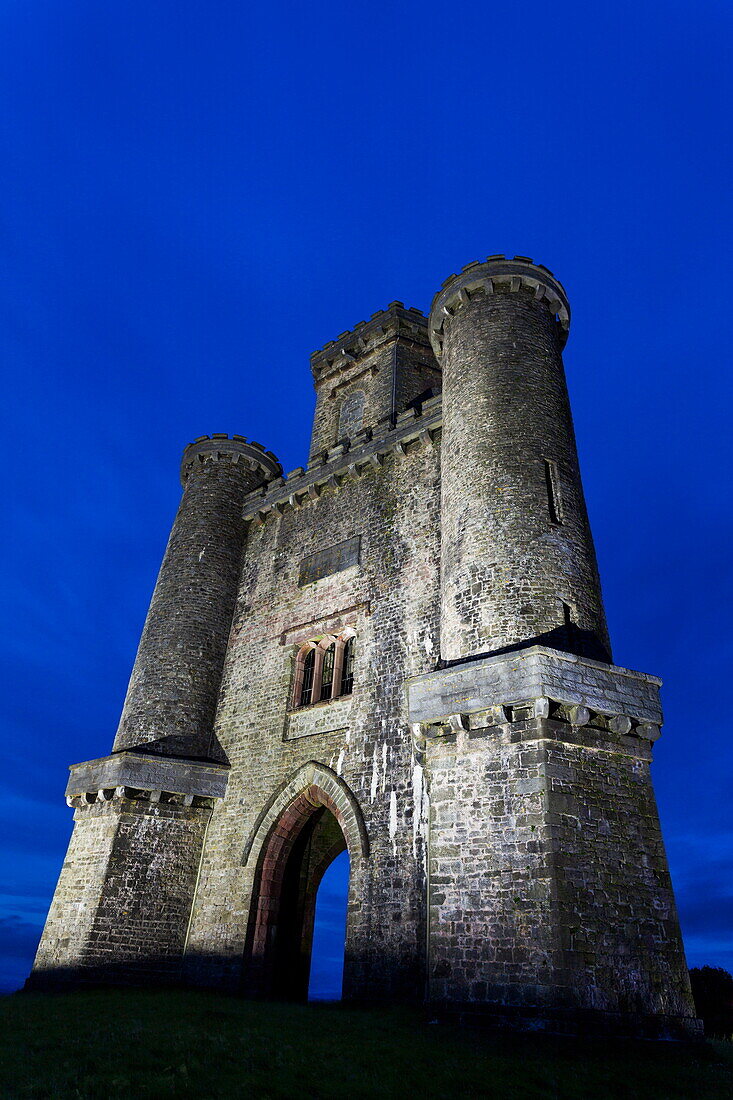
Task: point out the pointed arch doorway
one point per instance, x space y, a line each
309 822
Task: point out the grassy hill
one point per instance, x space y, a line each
161 1044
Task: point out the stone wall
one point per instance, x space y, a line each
121 909
391 600
616 912
549 886
69 922
492 937
387 362
174 686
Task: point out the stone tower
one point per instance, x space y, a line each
400 650
122 905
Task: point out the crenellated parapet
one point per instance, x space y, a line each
384 326
365 451
498 274
369 376
236 450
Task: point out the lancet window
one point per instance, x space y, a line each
309 667
347 675
327 673
324 669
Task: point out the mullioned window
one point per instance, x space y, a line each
324 669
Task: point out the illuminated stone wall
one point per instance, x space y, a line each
489 769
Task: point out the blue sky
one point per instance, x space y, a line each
195 196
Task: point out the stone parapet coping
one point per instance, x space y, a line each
385 324
144 772
220 446
483 277
541 676
349 459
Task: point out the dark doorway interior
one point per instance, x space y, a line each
300 849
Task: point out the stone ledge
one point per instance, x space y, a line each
386 324
303 485
510 679
141 771
328 717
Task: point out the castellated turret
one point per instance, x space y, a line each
398 649
517 558
141 813
174 688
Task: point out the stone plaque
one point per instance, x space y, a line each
331 560
330 717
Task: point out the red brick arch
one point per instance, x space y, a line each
276 848
328 786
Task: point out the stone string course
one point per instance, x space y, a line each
489 769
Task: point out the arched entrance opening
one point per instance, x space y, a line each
329 934
301 843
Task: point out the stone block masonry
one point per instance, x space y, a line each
399 649
543 677
517 556
121 909
170 702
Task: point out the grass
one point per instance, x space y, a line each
111 1043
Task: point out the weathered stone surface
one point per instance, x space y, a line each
332 559
149 773
548 883
534 673
334 716
173 690
391 601
122 904
515 566
384 363
486 768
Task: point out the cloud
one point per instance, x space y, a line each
704 891
18 942
18 937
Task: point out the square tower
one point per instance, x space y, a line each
368 376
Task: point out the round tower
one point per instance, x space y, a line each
172 695
517 560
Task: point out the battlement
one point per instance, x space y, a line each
220 447
387 324
483 277
415 427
